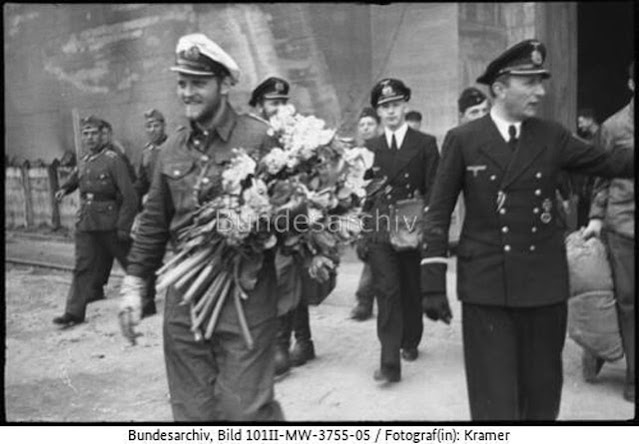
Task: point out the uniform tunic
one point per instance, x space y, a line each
511 270
219 379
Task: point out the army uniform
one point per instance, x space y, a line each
410 169
220 379
108 204
512 276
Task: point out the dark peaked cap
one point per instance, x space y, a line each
272 88
523 59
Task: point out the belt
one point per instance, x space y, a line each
97 196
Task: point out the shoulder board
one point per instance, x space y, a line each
256 117
111 154
86 157
180 128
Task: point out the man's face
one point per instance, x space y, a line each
392 114
521 95
201 96
414 124
475 112
269 107
154 130
91 138
367 128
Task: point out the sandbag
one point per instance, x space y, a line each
592 312
593 324
589 269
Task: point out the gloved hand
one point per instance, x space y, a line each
362 250
436 307
124 236
132 292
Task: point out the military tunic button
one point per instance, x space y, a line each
506 248
502 211
504 229
493 178
206 133
204 158
196 142
537 192
536 210
176 172
406 175
538 175
408 187
532 248
534 229
205 180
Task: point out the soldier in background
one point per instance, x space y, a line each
115 146
612 217
155 127
414 120
512 276
408 159
472 104
367 128
108 204
269 96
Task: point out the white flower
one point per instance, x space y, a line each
314 215
241 167
275 160
256 197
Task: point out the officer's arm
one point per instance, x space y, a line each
129 206
149 246
431 164
72 182
448 183
595 159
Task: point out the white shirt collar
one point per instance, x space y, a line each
400 134
502 125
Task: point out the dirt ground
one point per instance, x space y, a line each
89 373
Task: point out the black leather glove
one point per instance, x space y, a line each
436 308
361 248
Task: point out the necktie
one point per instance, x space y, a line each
512 132
393 143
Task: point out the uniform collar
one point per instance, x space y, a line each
502 125
152 145
223 128
400 134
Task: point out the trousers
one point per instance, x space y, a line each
621 251
513 361
365 290
94 253
219 379
396 278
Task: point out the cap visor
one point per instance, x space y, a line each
193 72
275 96
390 99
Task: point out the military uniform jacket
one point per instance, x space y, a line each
146 167
511 250
410 170
107 198
172 199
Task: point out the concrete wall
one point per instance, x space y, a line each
112 60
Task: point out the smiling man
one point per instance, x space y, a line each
512 274
269 96
219 379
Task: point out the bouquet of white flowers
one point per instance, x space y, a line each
304 196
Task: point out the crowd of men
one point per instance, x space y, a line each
512 272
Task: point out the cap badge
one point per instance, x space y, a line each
279 87
535 56
192 53
387 90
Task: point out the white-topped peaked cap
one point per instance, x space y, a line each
198 55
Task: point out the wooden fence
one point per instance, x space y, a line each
29 194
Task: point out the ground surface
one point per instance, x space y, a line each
89 373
